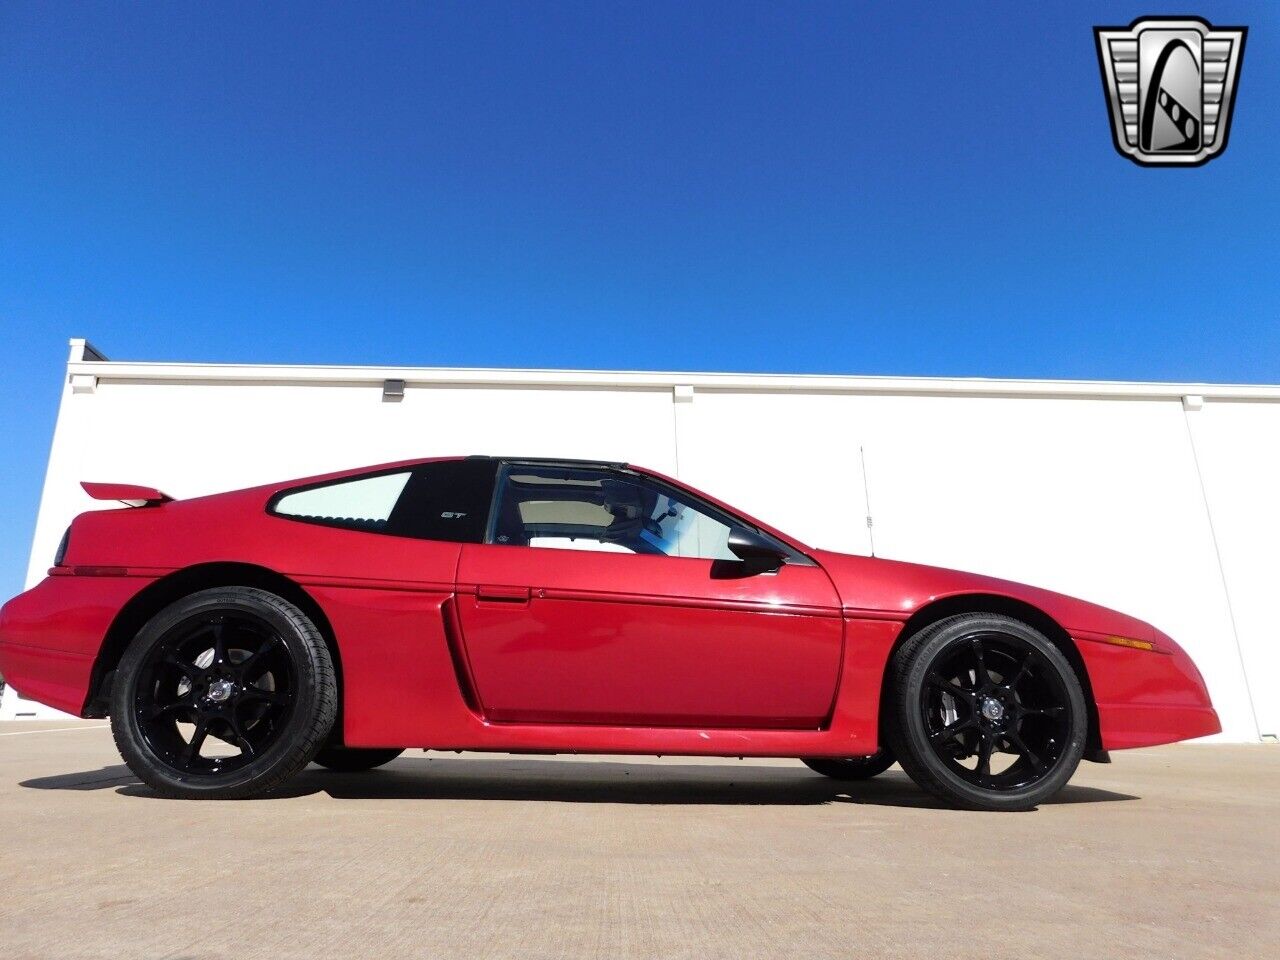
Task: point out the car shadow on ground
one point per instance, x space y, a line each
103 779
579 781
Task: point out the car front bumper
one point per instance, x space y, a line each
1144 697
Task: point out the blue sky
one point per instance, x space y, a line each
845 188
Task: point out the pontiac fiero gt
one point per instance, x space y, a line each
507 604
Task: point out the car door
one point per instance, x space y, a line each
606 596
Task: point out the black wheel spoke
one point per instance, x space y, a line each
1043 711
1021 674
940 682
1020 745
983 769
188 667
254 660
266 696
198 736
952 730
164 709
242 740
219 643
980 675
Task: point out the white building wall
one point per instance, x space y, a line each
1238 449
1116 493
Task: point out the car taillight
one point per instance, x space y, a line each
62 549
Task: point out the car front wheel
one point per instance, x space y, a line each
223 695
987 713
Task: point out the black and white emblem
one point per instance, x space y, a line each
1170 85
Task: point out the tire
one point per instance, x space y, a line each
851 768
353 760
234 664
985 686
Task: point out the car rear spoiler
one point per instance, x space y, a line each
132 494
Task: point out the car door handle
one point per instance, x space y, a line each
493 594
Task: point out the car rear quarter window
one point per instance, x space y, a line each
445 500
362 504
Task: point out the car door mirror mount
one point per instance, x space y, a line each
754 548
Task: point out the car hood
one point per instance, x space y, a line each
871 586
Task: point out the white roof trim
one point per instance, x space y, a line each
278 374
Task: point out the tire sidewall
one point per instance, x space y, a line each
310 666
911 726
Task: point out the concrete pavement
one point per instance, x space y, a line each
1171 852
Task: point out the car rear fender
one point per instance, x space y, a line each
165 590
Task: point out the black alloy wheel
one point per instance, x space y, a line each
223 694
226 674
988 713
851 768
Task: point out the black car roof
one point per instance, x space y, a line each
554 461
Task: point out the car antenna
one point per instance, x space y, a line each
866 493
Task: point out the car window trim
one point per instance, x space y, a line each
499 484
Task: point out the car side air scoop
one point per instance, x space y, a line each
132 494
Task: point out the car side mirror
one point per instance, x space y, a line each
755 548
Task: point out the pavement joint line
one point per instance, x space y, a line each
28 733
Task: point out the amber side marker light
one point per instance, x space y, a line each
1133 644
100 571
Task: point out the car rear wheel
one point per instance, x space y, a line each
987 713
223 695
851 768
353 759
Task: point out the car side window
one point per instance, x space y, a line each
444 500
590 508
361 504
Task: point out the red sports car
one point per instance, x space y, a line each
509 604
